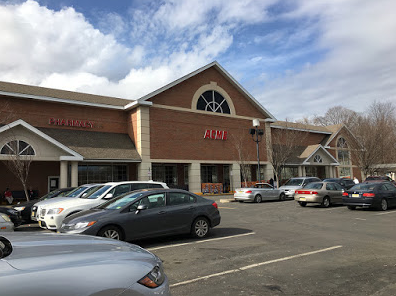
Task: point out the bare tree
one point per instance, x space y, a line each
19 155
243 157
285 140
337 115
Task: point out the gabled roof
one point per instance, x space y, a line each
219 68
312 149
301 127
75 156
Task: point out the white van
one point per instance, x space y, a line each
50 216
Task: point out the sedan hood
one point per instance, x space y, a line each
86 216
52 200
70 202
43 251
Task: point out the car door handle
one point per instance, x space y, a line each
161 212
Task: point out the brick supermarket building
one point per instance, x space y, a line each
186 134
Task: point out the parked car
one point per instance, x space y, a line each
75 193
258 193
147 213
323 193
6 223
296 183
52 215
380 195
345 183
48 264
26 207
379 179
14 215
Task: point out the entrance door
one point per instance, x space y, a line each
53 183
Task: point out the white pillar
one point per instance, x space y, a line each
236 176
303 171
194 177
63 174
145 171
268 171
300 173
74 174
327 171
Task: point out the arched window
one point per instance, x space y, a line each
17 147
341 143
212 101
318 158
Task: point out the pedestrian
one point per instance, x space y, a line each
355 180
8 196
271 181
30 193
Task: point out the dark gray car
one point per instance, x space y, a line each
147 213
66 265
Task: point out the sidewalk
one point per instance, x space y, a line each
222 198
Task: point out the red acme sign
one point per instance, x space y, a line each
71 122
216 135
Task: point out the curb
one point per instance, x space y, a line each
227 200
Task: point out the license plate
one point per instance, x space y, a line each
32 214
355 195
241 191
302 198
39 223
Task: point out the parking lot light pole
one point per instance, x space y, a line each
257 135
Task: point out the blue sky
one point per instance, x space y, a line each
296 57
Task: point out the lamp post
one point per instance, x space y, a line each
257 135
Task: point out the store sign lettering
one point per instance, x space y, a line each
216 135
71 122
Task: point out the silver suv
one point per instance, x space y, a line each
296 183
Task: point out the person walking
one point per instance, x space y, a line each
8 196
355 180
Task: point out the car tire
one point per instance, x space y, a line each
384 204
326 202
200 227
282 196
302 203
111 232
258 199
241 201
352 208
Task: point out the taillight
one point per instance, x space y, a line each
368 194
215 205
306 192
249 191
345 194
298 192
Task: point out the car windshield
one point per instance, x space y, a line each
294 182
314 186
369 186
330 180
49 195
120 201
76 192
97 192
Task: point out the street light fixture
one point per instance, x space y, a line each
257 135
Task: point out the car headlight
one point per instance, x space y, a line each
80 225
154 278
5 217
20 209
54 211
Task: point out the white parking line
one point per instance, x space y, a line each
360 219
330 209
386 213
253 266
200 241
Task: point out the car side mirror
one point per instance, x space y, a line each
140 208
108 196
84 194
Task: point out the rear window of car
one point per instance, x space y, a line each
370 186
294 182
314 186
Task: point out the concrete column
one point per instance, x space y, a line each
300 171
74 174
335 172
194 177
303 171
143 132
268 172
63 174
235 176
145 171
268 142
327 171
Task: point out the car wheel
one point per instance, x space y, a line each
384 205
200 227
257 198
302 203
326 202
351 208
111 232
282 196
240 201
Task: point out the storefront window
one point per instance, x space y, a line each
289 172
209 174
345 172
101 173
343 157
311 171
165 173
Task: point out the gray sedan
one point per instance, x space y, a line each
6 223
258 193
66 265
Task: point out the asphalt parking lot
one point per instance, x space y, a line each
280 248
